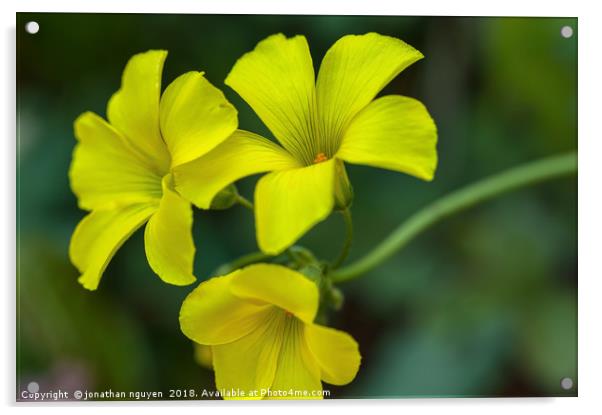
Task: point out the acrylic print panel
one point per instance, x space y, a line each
334 207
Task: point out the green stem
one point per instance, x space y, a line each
294 255
348 239
243 201
240 262
515 178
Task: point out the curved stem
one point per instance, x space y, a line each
243 201
348 239
517 177
240 262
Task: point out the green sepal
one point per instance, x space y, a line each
343 191
226 198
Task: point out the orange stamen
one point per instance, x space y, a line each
320 157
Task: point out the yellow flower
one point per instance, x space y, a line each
319 124
121 169
259 323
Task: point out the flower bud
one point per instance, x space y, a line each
335 298
313 272
343 191
203 355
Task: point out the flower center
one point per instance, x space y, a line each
320 157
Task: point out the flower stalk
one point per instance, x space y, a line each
243 201
483 190
348 239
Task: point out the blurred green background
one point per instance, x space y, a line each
484 304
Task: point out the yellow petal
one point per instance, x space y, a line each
280 286
249 363
336 352
106 171
277 80
134 109
99 235
212 315
195 117
297 373
288 203
353 71
395 133
168 238
241 155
